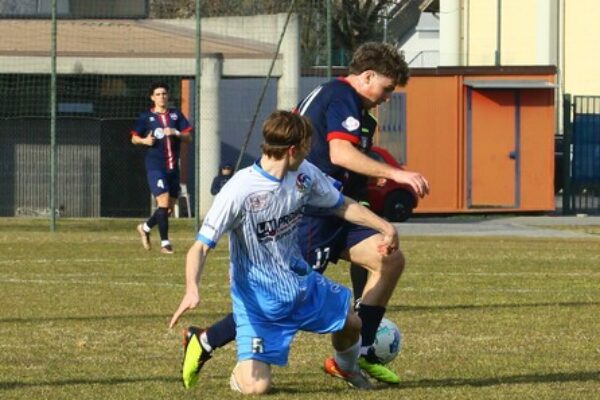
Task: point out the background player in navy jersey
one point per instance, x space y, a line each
274 291
162 129
339 111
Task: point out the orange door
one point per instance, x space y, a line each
492 148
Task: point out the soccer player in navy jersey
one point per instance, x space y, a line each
357 188
342 133
339 111
274 291
161 129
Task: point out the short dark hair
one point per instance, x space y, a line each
382 58
157 85
283 129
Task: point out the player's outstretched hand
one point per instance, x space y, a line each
190 301
389 244
414 179
149 140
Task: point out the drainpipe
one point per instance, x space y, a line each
450 32
498 55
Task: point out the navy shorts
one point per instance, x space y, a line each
161 181
323 238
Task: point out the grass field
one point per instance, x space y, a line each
84 312
590 230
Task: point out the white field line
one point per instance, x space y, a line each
84 282
175 285
85 260
487 290
586 274
179 286
221 258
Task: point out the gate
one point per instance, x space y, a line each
581 155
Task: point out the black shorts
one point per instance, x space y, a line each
160 181
323 238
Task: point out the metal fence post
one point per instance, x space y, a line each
53 121
329 40
197 91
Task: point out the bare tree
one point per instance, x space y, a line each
220 8
354 21
358 21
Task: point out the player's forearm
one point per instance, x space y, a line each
345 155
353 212
194 265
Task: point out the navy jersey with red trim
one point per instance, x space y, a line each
164 154
336 112
356 186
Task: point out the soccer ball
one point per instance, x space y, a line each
388 341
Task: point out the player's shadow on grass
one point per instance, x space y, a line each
308 389
487 306
87 381
579 376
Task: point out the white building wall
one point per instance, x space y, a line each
422 45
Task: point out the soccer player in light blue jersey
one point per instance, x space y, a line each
274 291
342 136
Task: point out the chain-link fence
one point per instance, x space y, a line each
107 55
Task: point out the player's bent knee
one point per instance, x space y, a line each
256 387
353 322
393 265
253 377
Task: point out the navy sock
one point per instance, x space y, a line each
162 217
153 220
359 276
371 318
221 333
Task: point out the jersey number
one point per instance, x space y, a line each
257 345
321 258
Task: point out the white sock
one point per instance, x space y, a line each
347 360
364 350
204 342
146 228
164 243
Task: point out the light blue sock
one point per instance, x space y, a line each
347 360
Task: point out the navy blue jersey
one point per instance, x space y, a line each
164 154
336 112
356 186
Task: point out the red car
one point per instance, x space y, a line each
392 200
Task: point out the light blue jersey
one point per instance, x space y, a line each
268 272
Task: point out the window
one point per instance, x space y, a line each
392 126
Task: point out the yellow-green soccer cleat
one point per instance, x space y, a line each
194 356
378 371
